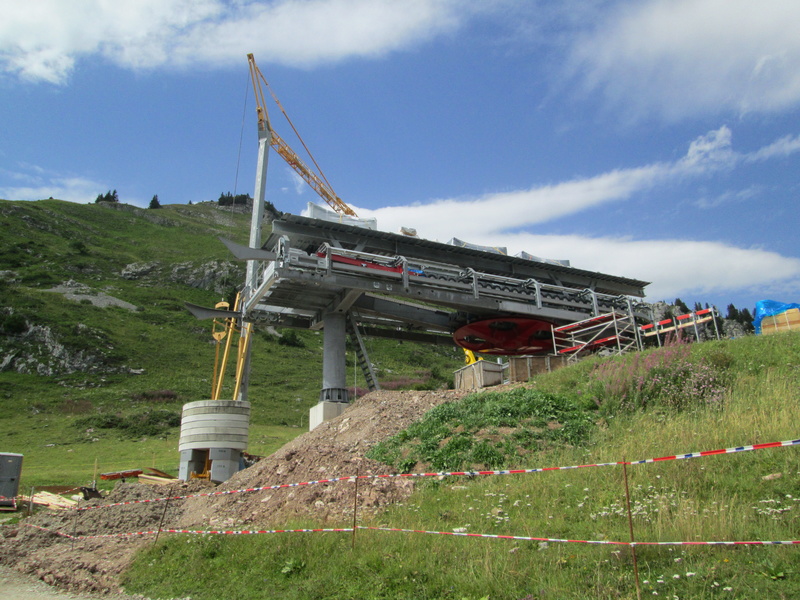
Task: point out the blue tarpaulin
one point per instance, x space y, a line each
769 308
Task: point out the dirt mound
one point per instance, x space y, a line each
334 449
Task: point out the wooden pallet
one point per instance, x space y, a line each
788 320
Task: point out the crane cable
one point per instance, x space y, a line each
297 133
241 138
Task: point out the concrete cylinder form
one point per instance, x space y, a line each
213 435
215 424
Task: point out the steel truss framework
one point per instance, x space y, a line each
409 288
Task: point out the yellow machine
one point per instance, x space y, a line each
225 330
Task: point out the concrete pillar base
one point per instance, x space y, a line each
334 395
324 411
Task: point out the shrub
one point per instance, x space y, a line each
291 338
466 434
13 324
667 377
148 424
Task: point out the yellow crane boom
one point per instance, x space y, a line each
318 183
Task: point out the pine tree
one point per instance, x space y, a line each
154 203
733 313
681 306
109 196
746 319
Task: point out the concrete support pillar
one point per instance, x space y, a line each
334 368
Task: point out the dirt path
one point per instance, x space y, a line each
16 586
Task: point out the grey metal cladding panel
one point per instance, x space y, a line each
461 298
310 233
405 312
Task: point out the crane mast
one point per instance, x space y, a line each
318 183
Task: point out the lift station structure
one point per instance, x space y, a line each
338 275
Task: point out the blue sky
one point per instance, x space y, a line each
658 139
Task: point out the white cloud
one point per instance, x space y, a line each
43 39
32 182
729 197
509 211
298 183
36 183
710 151
678 58
676 266
783 147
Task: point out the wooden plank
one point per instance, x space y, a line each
155 479
49 500
160 473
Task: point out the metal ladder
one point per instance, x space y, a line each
361 352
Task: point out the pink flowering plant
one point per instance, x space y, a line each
669 377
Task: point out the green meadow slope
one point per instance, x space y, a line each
98 353
680 399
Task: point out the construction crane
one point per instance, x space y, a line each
319 183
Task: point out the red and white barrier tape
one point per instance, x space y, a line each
456 473
494 535
598 542
460 473
722 451
421 531
190 531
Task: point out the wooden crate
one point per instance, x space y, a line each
788 320
481 374
523 368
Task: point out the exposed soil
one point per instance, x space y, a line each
334 449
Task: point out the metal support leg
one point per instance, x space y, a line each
334 371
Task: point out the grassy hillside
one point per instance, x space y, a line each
116 340
672 400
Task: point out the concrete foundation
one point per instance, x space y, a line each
324 411
213 435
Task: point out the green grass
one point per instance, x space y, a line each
640 406
722 497
159 347
486 431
